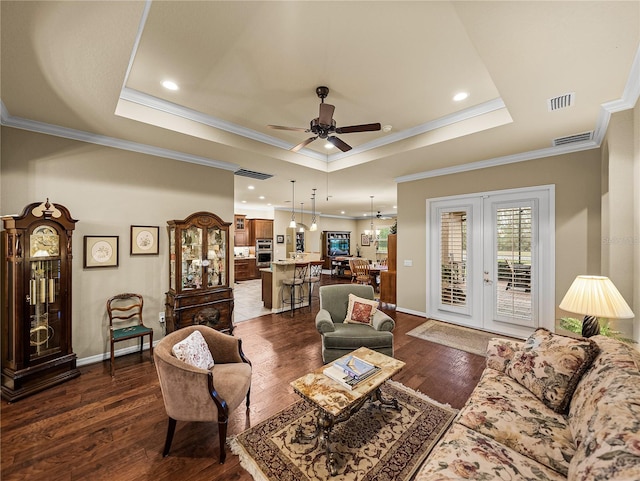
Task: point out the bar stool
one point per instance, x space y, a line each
295 287
314 278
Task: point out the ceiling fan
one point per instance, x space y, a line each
324 126
382 217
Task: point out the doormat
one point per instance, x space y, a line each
458 337
375 443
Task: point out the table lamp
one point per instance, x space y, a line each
595 296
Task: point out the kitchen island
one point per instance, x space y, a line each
272 284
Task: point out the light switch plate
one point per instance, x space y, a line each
408 263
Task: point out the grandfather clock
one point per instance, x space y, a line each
36 300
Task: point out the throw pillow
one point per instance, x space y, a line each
360 310
550 366
194 351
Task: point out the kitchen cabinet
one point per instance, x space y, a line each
241 231
36 300
199 291
261 229
245 269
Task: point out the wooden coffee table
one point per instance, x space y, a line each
336 404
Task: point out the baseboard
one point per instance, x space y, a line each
107 355
410 311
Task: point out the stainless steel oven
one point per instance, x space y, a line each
264 252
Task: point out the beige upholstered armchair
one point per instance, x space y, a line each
196 394
339 337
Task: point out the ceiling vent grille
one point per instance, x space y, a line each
572 139
252 174
560 102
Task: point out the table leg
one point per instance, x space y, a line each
393 403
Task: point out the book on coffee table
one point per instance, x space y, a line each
355 367
337 373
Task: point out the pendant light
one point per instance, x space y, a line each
292 224
314 225
301 218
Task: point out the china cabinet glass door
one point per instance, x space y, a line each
191 258
216 256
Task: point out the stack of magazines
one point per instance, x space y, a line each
350 370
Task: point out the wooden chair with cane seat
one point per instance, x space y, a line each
125 322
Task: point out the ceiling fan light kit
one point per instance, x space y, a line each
324 126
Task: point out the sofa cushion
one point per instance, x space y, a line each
509 413
466 454
604 416
194 350
360 310
500 352
550 366
353 336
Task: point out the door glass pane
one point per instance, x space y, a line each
453 258
216 256
514 264
192 258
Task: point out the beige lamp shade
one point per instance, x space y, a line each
595 296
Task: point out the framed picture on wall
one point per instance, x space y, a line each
280 239
364 240
144 240
100 251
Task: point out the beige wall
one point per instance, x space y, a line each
108 190
621 211
577 187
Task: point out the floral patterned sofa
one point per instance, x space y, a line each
579 418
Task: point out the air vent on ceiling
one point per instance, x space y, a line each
572 139
252 174
560 102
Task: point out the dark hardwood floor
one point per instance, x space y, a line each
95 427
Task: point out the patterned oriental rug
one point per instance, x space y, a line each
375 443
458 337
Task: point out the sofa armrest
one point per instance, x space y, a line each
382 322
500 352
324 322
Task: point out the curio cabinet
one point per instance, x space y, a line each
199 291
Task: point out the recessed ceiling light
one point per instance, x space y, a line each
342 212
244 201
251 187
170 85
261 197
328 145
387 128
460 96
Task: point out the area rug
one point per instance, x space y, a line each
458 337
375 443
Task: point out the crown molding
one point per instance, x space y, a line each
454 118
91 138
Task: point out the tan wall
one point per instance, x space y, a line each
621 212
108 190
577 182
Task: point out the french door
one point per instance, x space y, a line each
490 260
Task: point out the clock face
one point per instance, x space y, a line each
101 251
44 242
144 240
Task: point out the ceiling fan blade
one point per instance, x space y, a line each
280 127
326 114
358 128
339 143
302 144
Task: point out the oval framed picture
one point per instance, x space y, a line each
144 240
